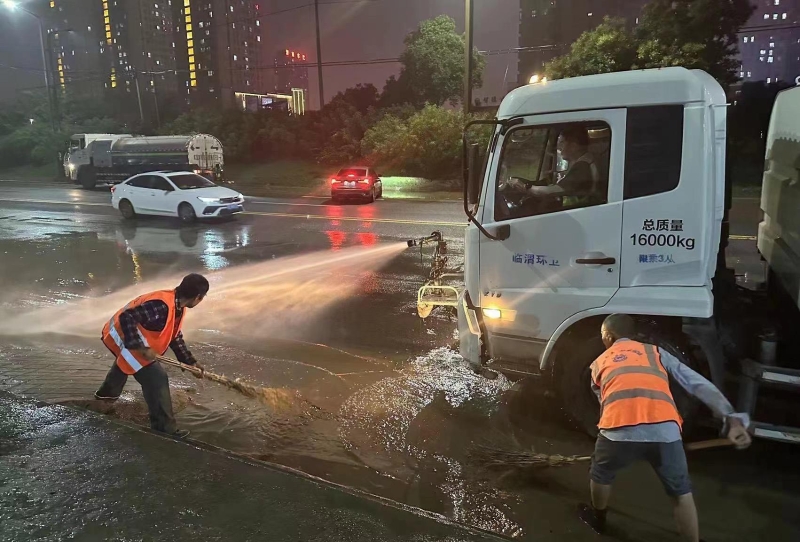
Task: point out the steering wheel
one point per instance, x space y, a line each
511 203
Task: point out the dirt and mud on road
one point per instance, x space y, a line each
325 308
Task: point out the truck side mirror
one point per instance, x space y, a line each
474 171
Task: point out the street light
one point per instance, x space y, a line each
13 6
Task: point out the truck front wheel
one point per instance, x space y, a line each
575 384
87 177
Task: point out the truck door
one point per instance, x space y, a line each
557 185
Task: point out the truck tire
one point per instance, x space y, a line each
574 376
87 177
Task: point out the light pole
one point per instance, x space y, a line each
13 6
468 64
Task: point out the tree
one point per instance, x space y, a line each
607 48
691 33
432 66
426 144
362 97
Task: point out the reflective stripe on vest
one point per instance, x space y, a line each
131 362
634 386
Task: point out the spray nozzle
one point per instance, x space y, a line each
435 236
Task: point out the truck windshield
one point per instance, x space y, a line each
189 181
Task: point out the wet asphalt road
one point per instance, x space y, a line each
307 301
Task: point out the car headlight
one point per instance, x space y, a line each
209 200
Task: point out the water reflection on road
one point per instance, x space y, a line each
395 428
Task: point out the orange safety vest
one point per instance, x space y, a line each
634 386
129 361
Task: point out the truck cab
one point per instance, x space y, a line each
607 194
81 153
601 194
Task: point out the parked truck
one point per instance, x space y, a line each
112 158
646 235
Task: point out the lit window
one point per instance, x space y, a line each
191 60
762 52
189 35
749 74
741 74
761 59
752 39
191 50
771 44
189 27
589 14
193 75
766 16
189 43
234 57
188 19
258 38
770 53
769 60
775 16
187 2
210 73
148 55
777 2
231 9
52 4
194 82
783 15
258 23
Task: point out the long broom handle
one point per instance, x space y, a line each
175 363
705 444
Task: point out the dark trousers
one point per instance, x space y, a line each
155 388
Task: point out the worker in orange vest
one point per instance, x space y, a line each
140 332
640 422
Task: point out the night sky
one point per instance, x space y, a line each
351 30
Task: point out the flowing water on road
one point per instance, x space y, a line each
379 423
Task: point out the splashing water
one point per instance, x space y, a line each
279 298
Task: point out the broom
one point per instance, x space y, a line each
498 458
272 397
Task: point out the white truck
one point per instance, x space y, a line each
644 232
112 158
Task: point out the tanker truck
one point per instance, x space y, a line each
643 231
112 158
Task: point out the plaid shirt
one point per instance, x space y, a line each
152 316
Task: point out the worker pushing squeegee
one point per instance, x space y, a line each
142 331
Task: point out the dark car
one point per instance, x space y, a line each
356 182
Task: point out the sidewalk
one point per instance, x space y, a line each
71 475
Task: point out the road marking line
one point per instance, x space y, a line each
359 219
53 202
287 204
280 215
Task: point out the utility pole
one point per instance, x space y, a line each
469 21
139 98
155 99
319 57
